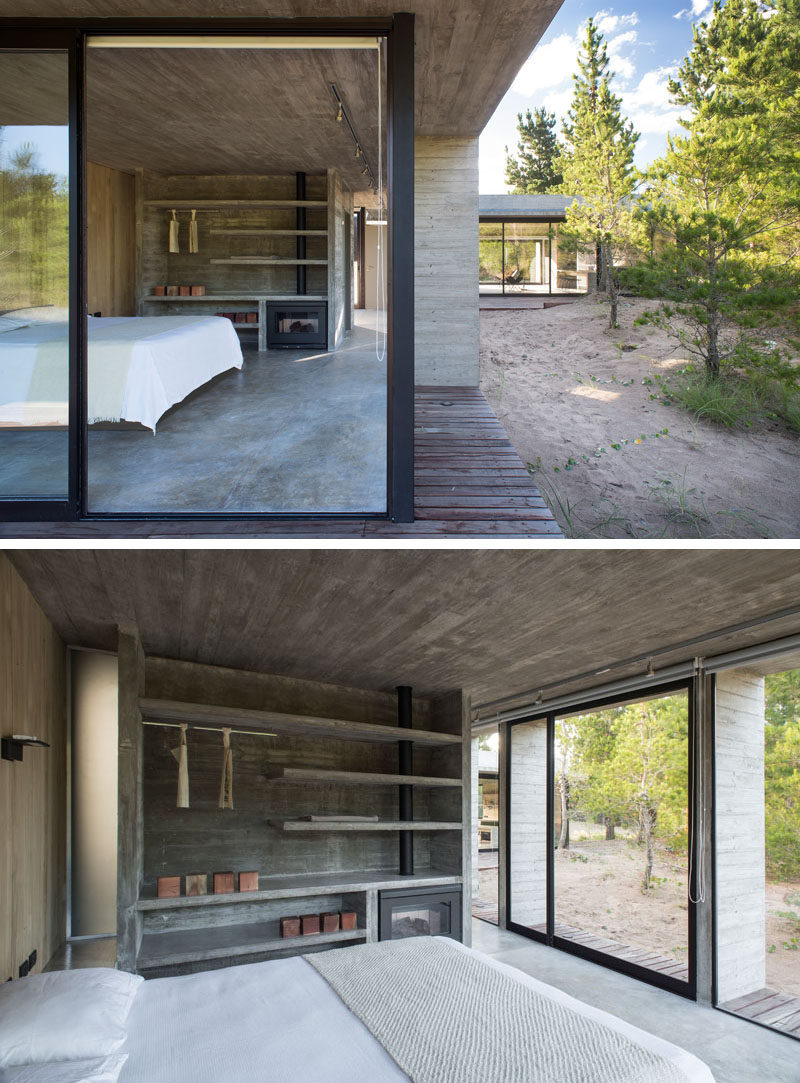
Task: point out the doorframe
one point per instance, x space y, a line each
398 30
686 989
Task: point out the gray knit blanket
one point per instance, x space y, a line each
445 1016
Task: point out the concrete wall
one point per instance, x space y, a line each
371 234
94 793
527 831
446 260
741 933
33 800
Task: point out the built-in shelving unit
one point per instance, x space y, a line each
261 238
328 761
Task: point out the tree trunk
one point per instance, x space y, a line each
611 284
646 822
563 840
610 825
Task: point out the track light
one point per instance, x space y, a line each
339 115
358 151
365 169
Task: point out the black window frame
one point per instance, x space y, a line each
687 989
398 30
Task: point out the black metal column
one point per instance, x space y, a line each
400 267
405 767
300 189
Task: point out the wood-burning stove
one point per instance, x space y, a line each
297 324
425 911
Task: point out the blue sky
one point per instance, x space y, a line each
646 42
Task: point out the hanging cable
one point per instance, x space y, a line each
380 285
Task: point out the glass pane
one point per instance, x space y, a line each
490 262
490 231
228 371
522 231
528 262
621 839
528 842
34 275
572 263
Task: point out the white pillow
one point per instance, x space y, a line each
65 1015
99 1070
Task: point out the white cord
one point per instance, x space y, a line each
380 283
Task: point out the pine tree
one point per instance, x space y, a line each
728 270
598 164
535 169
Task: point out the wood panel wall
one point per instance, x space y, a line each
33 839
110 241
446 260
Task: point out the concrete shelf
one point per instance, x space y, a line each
291 725
365 825
223 942
230 204
301 884
357 778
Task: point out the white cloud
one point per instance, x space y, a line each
698 9
648 104
607 23
548 66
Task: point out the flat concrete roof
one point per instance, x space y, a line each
521 207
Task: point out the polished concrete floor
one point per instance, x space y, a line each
293 431
79 954
735 1050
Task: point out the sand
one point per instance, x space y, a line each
598 889
566 392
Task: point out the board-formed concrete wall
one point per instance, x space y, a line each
446 260
527 831
741 932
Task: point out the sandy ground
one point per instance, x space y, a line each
565 391
598 889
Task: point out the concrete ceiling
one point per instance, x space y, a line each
495 622
467 55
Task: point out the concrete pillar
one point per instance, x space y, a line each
741 914
527 830
474 816
446 260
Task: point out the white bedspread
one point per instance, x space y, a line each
280 1021
138 367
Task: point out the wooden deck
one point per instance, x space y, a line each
469 482
777 1010
652 960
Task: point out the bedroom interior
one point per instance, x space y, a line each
221 186
323 667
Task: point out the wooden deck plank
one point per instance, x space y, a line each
780 1011
469 482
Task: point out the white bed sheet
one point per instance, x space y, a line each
174 356
280 1021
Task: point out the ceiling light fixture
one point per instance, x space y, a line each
339 116
343 117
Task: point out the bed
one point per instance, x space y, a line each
425 1009
139 366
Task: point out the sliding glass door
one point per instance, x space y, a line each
599 853
34 275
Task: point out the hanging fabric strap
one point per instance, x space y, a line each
173 233
180 754
193 244
226 782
